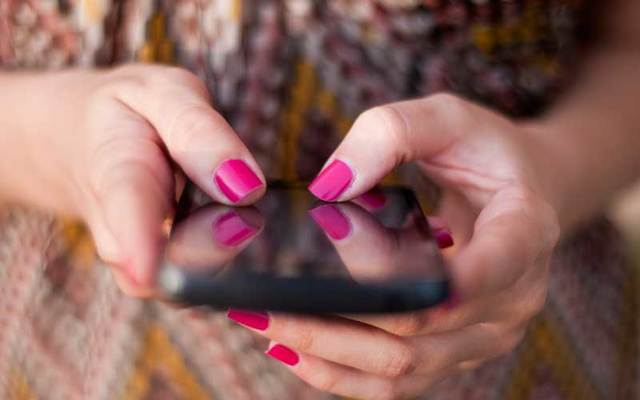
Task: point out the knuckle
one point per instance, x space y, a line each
410 324
394 132
389 116
175 76
305 341
324 380
157 77
127 76
401 361
447 104
172 75
184 126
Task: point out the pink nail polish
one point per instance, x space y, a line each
372 200
236 180
332 221
443 238
231 230
283 354
332 181
252 319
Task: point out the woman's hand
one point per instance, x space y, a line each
101 145
504 231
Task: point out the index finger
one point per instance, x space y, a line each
198 138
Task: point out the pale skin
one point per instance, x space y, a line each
99 145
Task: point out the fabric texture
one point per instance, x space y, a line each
291 76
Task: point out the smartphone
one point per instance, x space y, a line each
292 253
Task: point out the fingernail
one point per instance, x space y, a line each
236 180
252 319
283 354
231 230
372 200
443 238
332 221
332 181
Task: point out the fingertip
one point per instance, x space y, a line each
283 354
332 181
443 238
238 183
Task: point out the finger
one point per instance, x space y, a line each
499 275
212 236
513 236
337 379
385 136
335 339
199 139
129 198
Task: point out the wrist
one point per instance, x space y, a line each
579 167
557 172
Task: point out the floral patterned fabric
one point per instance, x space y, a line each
291 76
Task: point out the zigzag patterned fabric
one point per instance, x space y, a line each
291 76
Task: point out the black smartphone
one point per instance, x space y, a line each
290 252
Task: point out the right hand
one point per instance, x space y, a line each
104 142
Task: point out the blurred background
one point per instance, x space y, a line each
626 213
291 76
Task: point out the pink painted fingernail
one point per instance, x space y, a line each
332 181
231 230
252 319
236 180
283 354
443 238
372 200
332 221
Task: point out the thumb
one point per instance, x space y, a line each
386 136
131 192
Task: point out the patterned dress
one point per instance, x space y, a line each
291 76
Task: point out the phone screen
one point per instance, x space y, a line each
380 238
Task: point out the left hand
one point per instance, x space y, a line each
499 265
